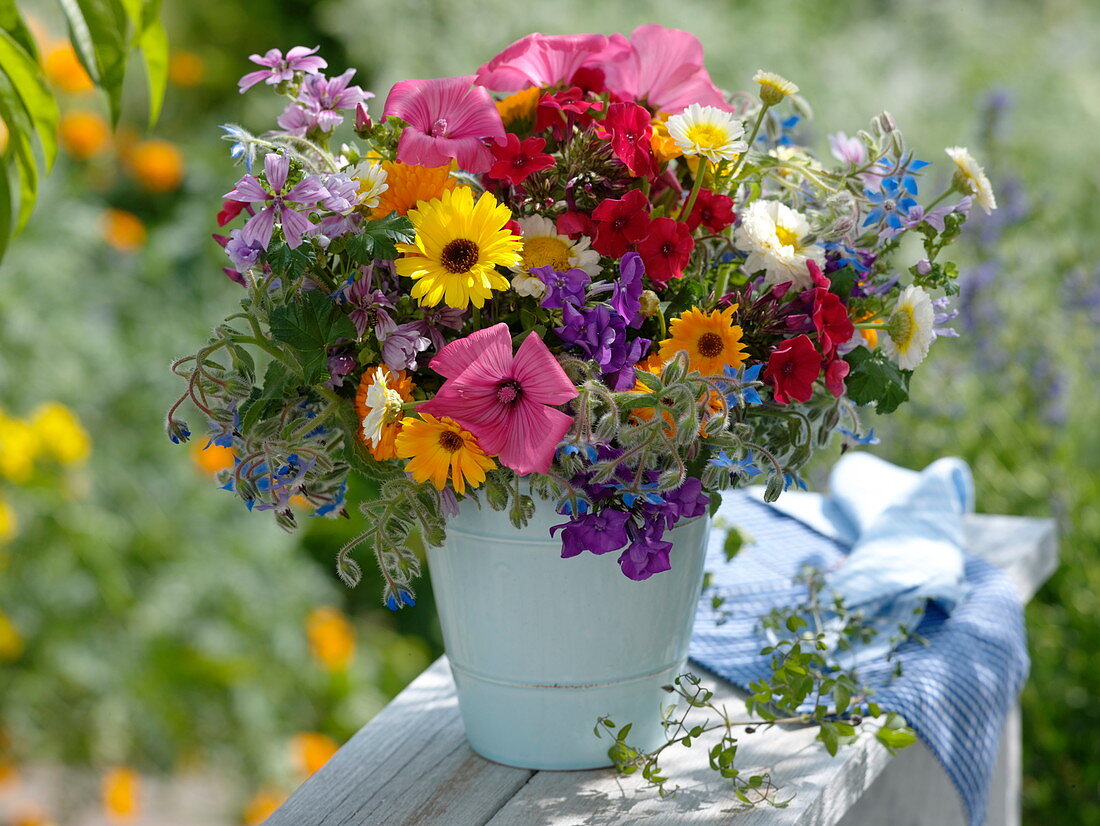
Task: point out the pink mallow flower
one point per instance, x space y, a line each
660 67
505 400
540 60
447 117
276 203
278 69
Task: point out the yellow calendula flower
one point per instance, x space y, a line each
519 106
459 244
331 638
310 750
211 459
64 70
438 449
409 184
9 522
60 433
120 788
663 144
773 88
19 447
711 340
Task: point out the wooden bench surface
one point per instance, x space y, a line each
411 763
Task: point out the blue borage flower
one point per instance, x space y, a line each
333 507
868 439
397 597
745 394
588 451
786 127
887 205
790 479
745 466
630 498
243 146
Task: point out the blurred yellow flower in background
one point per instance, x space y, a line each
60 434
157 164
186 69
261 806
120 788
213 458
123 230
311 750
11 641
331 637
84 134
9 523
63 69
18 448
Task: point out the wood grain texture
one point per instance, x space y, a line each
411 764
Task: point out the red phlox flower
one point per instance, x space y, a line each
516 160
792 369
630 129
621 223
819 278
835 373
831 320
561 111
712 210
575 224
666 250
230 210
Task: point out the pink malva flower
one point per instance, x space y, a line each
661 67
278 68
276 203
505 400
447 117
540 60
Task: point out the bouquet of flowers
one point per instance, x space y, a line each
583 265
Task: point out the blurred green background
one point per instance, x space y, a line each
156 640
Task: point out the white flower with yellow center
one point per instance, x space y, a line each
544 247
909 330
774 237
708 131
385 407
773 87
794 158
372 182
971 177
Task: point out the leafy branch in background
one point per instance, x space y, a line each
805 687
104 34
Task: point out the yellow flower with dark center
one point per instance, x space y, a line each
408 185
519 106
459 244
711 340
331 638
440 448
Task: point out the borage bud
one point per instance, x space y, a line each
650 303
886 122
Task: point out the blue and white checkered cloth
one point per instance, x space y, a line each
955 692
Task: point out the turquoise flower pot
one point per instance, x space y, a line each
540 646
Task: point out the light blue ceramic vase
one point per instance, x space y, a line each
541 646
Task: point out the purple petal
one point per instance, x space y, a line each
259 227
277 167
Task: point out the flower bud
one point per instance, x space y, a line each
886 122
363 122
924 266
650 303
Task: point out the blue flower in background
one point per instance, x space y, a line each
746 466
242 146
745 394
869 439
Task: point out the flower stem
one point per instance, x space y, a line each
701 172
752 137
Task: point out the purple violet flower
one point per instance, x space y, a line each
401 343
370 307
626 297
599 533
437 318
562 287
319 104
339 365
276 203
243 254
279 69
600 334
646 556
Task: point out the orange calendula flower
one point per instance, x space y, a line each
408 184
211 459
123 230
378 403
869 336
262 805
157 164
331 638
520 105
64 70
84 134
440 448
186 69
711 340
311 750
120 788
664 145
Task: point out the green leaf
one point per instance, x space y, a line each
5 211
22 166
12 22
309 326
736 540
154 51
829 736
288 262
29 86
99 31
841 697
378 238
874 378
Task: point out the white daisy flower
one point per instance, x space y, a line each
909 330
529 286
544 247
773 87
708 131
372 182
774 236
385 407
971 177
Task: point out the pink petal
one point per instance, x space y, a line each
295 225
533 434
272 58
472 155
539 60
276 167
252 78
539 373
259 227
493 343
307 191
418 149
475 407
247 189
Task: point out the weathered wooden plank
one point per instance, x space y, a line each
1023 547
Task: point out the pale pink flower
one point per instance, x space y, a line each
539 60
447 118
505 400
660 67
278 69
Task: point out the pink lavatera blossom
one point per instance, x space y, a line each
274 203
540 60
447 118
507 401
660 67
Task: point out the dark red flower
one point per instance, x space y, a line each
230 210
561 111
835 373
513 227
575 224
630 129
589 79
831 320
712 210
792 370
516 160
666 250
621 223
819 278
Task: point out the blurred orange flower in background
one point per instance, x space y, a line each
123 230
186 69
261 806
120 788
63 69
157 164
84 134
311 750
331 637
213 458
